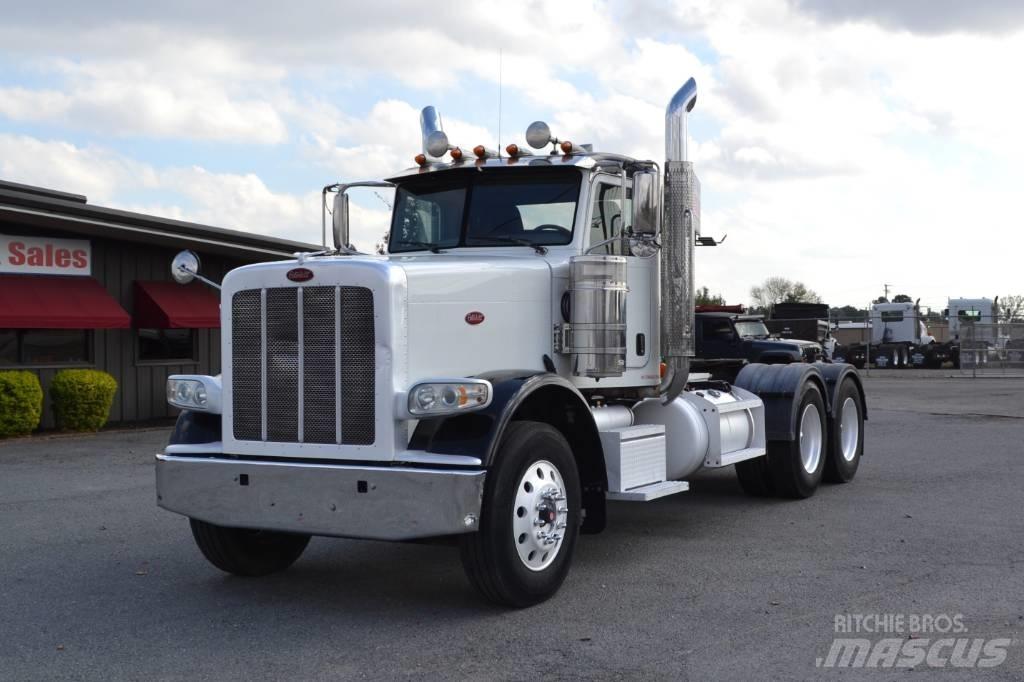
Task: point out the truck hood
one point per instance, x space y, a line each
476 313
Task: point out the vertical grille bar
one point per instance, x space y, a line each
319 364
246 350
337 365
300 356
263 364
282 366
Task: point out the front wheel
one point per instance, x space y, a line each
246 552
529 520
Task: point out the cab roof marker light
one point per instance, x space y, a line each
483 152
515 151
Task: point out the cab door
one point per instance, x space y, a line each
607 221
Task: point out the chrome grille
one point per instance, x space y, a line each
303 365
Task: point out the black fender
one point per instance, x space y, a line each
834 374
534 395
196 427
776 386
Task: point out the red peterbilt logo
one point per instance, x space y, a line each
300 274
475 317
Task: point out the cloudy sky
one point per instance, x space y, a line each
847 145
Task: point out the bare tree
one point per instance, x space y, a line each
1011 308
779 289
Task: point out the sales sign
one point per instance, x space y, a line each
45 256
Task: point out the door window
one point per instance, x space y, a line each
606 217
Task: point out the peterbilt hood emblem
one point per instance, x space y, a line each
475 317
300 274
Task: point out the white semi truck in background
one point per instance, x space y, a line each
900 337
518 358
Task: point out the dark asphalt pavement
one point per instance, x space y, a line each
97 583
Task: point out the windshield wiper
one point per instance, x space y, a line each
430 246
539 248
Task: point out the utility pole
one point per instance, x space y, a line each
887 286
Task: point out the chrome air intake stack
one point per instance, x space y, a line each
681 219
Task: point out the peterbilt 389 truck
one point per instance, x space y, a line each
519 359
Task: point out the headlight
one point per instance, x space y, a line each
199 393
445 397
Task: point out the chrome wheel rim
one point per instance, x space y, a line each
810 438
849 429
540 515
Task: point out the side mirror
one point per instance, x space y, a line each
185 267
646 208
339 220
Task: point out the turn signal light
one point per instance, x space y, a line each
566 147
420 159
662 368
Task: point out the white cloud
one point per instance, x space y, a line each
836 149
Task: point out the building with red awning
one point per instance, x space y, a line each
88 286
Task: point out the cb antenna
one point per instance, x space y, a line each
499 103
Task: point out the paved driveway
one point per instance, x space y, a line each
97 583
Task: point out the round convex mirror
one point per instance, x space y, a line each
185 267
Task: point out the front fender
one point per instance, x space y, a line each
528 395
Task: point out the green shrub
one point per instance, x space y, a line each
21 403
82 398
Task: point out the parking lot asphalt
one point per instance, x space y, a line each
96 582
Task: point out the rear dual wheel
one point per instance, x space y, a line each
826 447
791 468
846 434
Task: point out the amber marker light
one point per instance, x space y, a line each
456 154
420 159
566 147
480 151
512 150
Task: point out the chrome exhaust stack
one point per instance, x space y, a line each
681 220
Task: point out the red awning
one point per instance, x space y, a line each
58 302
169 305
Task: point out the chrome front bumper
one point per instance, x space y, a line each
380 503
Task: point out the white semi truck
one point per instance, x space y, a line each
518 358
900 338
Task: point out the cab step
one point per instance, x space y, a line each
646 493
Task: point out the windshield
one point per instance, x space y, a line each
473 208
751 329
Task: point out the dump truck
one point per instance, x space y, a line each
518 360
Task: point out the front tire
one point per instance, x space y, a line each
246 552
797 466
529 520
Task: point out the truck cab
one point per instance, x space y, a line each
518 357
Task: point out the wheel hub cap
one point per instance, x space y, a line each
810 438
540 515
849 429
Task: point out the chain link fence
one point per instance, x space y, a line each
992 348
912 342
